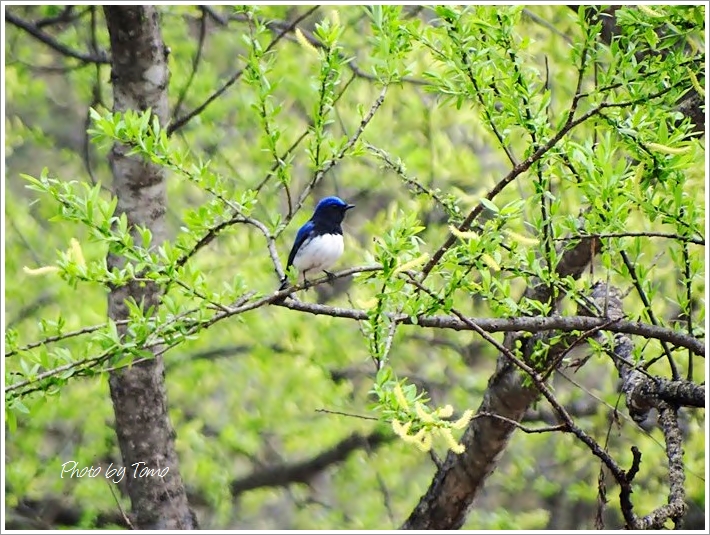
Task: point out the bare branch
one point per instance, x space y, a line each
304 471
676 506
217 17
34 31
195 64
575 408
523 428
67 15
679 393
642 395
29 309
526 324
51 512
542 22
645 234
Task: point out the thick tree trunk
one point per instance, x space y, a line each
145 434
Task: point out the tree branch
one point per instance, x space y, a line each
305 471
100 57
523 324
644 234
642 395
195 64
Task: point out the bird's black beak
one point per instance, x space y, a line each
349 207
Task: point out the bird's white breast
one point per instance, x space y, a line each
319 253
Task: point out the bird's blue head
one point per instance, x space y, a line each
332 209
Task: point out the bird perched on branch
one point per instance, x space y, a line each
319 242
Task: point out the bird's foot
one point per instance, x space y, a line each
331 277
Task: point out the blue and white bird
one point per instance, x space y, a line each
319 242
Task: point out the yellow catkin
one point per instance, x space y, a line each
401 429
423 415
525 240
367 303
400 397
463 421
458 448
305 43
469 235
650 12
696 84
488 260
413 263
425 443
77 253
665 149
445 412
638 174
451 441
419 435
414 439
40 270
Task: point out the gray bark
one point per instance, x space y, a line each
145 435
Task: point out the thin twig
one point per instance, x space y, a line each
60 337
398 168
525 429
348 414
542 22
120 507
688 298
195 63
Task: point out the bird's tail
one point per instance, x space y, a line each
284 284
